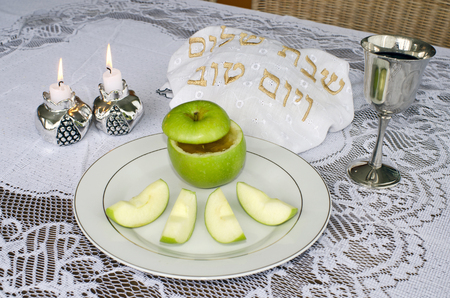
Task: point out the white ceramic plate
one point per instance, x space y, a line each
127 170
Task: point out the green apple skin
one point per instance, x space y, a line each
220 220
196 122
212 169
261 207
143 208
181 222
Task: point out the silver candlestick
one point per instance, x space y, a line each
63 123
117 112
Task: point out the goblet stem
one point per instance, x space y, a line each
373 173
375 160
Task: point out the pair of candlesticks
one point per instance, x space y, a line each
64 119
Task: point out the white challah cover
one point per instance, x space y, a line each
287 96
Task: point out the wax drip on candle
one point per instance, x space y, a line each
59 91
112 79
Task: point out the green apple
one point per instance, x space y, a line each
181 221
220 220
212 162
196 122
143 208
261 207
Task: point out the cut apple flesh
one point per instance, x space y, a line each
220 145
143 208
181 221
220 220
261 207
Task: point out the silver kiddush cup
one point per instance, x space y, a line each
117 112
63 123
393 70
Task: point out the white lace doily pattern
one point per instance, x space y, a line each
379 243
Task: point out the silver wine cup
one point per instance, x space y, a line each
393 70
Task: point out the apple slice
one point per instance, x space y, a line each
220 220
261 207
143 208
181 221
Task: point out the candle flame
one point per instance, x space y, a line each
60 71
108 57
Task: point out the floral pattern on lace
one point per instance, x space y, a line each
373 242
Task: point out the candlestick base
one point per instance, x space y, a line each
63 123
117 112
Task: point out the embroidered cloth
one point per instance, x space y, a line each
287 96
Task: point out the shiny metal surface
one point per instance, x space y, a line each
393 69
117 112
390 84
64 123
373 173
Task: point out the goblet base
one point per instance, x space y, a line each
363 173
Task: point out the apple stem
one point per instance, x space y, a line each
195 116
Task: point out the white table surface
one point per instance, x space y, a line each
379 243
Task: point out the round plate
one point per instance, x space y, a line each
125 171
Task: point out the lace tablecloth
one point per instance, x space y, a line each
378 243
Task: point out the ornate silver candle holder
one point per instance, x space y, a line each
63 123
117 112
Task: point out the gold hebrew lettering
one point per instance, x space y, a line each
214 40
333 78
273 78
299 94
228 66
215 66
289 88
246 42
310 75
193 40
310 101
224 36
202 82
282 53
